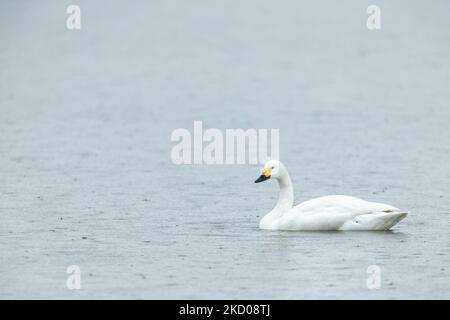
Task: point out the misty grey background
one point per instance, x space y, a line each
85 124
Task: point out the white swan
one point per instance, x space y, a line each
324 213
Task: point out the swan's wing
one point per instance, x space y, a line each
330 212
341 204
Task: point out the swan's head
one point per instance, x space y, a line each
272 169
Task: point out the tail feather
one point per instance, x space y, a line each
395 218
375 221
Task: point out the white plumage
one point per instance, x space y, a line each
334 212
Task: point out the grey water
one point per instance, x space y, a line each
86 177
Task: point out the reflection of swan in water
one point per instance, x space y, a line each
324 213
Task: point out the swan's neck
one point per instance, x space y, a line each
286 198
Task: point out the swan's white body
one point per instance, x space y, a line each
325 213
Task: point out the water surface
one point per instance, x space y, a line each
85 124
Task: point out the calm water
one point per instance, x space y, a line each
85 124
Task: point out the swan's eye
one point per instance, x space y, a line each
273 168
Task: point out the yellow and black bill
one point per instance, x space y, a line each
265 175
